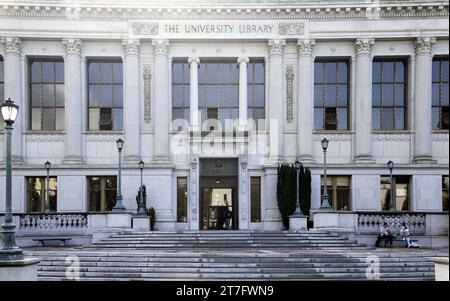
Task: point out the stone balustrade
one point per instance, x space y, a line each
371 222
53 221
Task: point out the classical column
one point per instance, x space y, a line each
162 102
73 104
131 104
305 101
276 141
242 64
193 92
422 100
363 116
12 47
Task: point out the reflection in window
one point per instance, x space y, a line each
102 193
218 93
256 93
338 188
180 90
255 199
46 94
2 90
445 184
440 111
389 86
105 95
36 187
331 85
182 198
401 193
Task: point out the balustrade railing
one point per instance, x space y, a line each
371 222
53 221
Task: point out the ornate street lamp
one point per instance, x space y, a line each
325 201
47 201
141 207
119 207
298 211
9 251
391 186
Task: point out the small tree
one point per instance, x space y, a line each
305 190
286 191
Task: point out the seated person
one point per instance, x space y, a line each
385 234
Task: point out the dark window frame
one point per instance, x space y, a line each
43 180
395 178
184 86
2 85
333 189
255 201
445 192
442 125
89 189
184 201
252 85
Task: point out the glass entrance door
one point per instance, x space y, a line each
217 208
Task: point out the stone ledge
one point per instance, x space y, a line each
20 263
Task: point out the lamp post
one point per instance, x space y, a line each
391 186
9 251
47 201
298 211
119 207
141 207
325 200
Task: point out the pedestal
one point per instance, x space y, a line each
19 270
118 220
441 268
141 223
298 222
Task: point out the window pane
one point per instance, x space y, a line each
318 95
234 74
399 119
444 70
388 95
117 73
48 95
59 72
330 72
435 118
211 71
177 73
35 72
212 96
105 73
36 118
388 119
177 99
376 95
59 119
330 100
36 95
342 119
388 71
93 72
436 71
399 72
94 117
106 95
117 96
259 96
399 95
444 99
223 95
255 199
94 95
105 121
182 198
201 96
48 119
202 74
318 118
330 119
259 73
376 72
376 121
342 72
224 73
234 101
445 188
117 119
318 72
48 72
445 118
342 95
59 89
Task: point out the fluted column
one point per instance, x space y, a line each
162 103
276 141
131 105
242 63
12 47
363 107
193 92
422 100
305 101
73 104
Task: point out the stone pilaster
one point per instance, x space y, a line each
422 100
242 63
193 92
12 48
305 101
73 105
363 107
131 103
161 147
276 141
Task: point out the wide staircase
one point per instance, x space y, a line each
305 240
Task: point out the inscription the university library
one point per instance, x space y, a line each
217 28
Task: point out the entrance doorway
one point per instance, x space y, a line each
218 194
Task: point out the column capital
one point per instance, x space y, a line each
194 59
364 46
305 46
11 45
72 46
131 47
243 59
276 47
161 46
424 44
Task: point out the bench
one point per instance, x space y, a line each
384 241
52 238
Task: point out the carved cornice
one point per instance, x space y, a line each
147 93
11 45
243 59
305 46
72 46
276 47
290 93
424 44
131 47
364 46
161 46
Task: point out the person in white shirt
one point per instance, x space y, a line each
404 233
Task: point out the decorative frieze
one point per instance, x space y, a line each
305 46
147 93
424 44
276 47
131 47
337 137
364 46
145 28
161 47
292 28
72 46
289 93
391 136
103 137
440 136
44 137
11 45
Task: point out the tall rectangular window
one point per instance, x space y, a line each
36 187
445 185
180 90
182 200
102 193
255 199
338 188
218 93
256 92
105 97
389 94
46 94
331 94
400 192
440 111
2 90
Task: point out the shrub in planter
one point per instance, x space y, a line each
152 214
286 190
